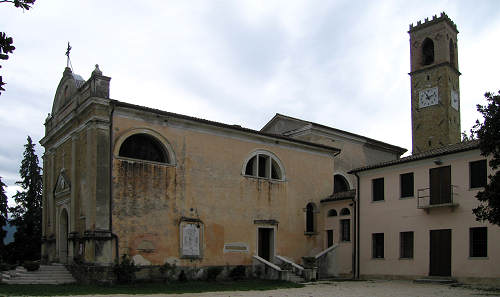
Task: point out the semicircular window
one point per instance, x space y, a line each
345 212
144 147
264 165
340 184
332 213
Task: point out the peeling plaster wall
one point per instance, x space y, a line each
206 183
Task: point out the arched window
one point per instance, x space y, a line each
144 147
332 213
340 184
310 210
427 52
264 165
452 53
345 212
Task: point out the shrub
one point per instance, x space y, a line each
31 265
213 272
125 270
167 269
182 276
238 273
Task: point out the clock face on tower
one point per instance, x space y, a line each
428 97
454 99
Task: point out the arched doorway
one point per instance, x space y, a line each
63 236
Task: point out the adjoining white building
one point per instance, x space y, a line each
415 217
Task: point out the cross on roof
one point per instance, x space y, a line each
68 61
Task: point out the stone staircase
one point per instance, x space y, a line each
296 278
47 274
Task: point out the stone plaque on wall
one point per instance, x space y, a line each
191 233
190 240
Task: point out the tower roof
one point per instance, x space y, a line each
435 19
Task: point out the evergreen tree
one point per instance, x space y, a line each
488 133
3 217
27 214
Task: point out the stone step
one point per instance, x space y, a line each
41 272
37 282
435 280
42 277
47 274
297 279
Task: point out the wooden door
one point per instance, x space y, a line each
440 253
440 185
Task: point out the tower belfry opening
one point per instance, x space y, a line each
428 52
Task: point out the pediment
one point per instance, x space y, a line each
67 87
63 185
280 124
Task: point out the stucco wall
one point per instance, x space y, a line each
207 183
395 215
344 251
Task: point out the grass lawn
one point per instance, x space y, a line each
144 288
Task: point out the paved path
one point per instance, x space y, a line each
377 288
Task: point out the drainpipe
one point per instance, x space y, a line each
111 133
356 213
355 242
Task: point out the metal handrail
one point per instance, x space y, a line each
425 194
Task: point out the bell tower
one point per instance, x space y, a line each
435 92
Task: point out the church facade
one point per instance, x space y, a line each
159 187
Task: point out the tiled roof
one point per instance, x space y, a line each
372 141
222 125
340 196
444 150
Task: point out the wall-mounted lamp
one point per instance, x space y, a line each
438 162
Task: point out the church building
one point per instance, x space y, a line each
159 187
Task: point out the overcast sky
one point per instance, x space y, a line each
343 64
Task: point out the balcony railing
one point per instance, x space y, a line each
441 198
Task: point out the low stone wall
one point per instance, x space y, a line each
95 274
91 274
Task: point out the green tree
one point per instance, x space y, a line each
27 214
3 217
488 133
6 42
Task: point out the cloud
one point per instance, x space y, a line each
340 63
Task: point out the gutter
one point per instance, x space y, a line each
356 222
355 241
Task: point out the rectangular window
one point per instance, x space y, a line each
378 245
478 238
406 181
406 245
345 229
329 234
477 173
378 189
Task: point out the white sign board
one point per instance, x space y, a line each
190 240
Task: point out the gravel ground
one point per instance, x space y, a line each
353 289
